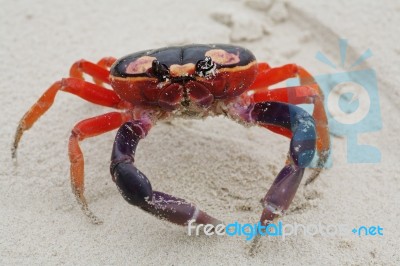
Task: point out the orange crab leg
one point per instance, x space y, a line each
85 129
106 62
88 91
293 95
268 76
98 71
308 92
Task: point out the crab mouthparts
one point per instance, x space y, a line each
181 79
185 92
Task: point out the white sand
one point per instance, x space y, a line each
219 165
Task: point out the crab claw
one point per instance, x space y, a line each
301 151
136 188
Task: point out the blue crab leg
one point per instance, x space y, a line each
136 188
301 152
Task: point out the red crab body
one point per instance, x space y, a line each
191 80
182 76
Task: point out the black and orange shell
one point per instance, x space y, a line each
134 80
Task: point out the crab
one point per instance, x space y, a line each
191 81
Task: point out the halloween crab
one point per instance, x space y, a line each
192 81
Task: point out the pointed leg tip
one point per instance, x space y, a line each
309 181
17 138
255 245
320 166
85 208
315 174
322 162
92 218
14 155
96 221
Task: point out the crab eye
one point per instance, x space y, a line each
205 67
160 70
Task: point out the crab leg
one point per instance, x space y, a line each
308 92
301 152
293 95
136 188
98 71
300 95
85 129
87 91
268 76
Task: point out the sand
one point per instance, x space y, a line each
219 165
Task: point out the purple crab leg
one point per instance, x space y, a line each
136 188
301 152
